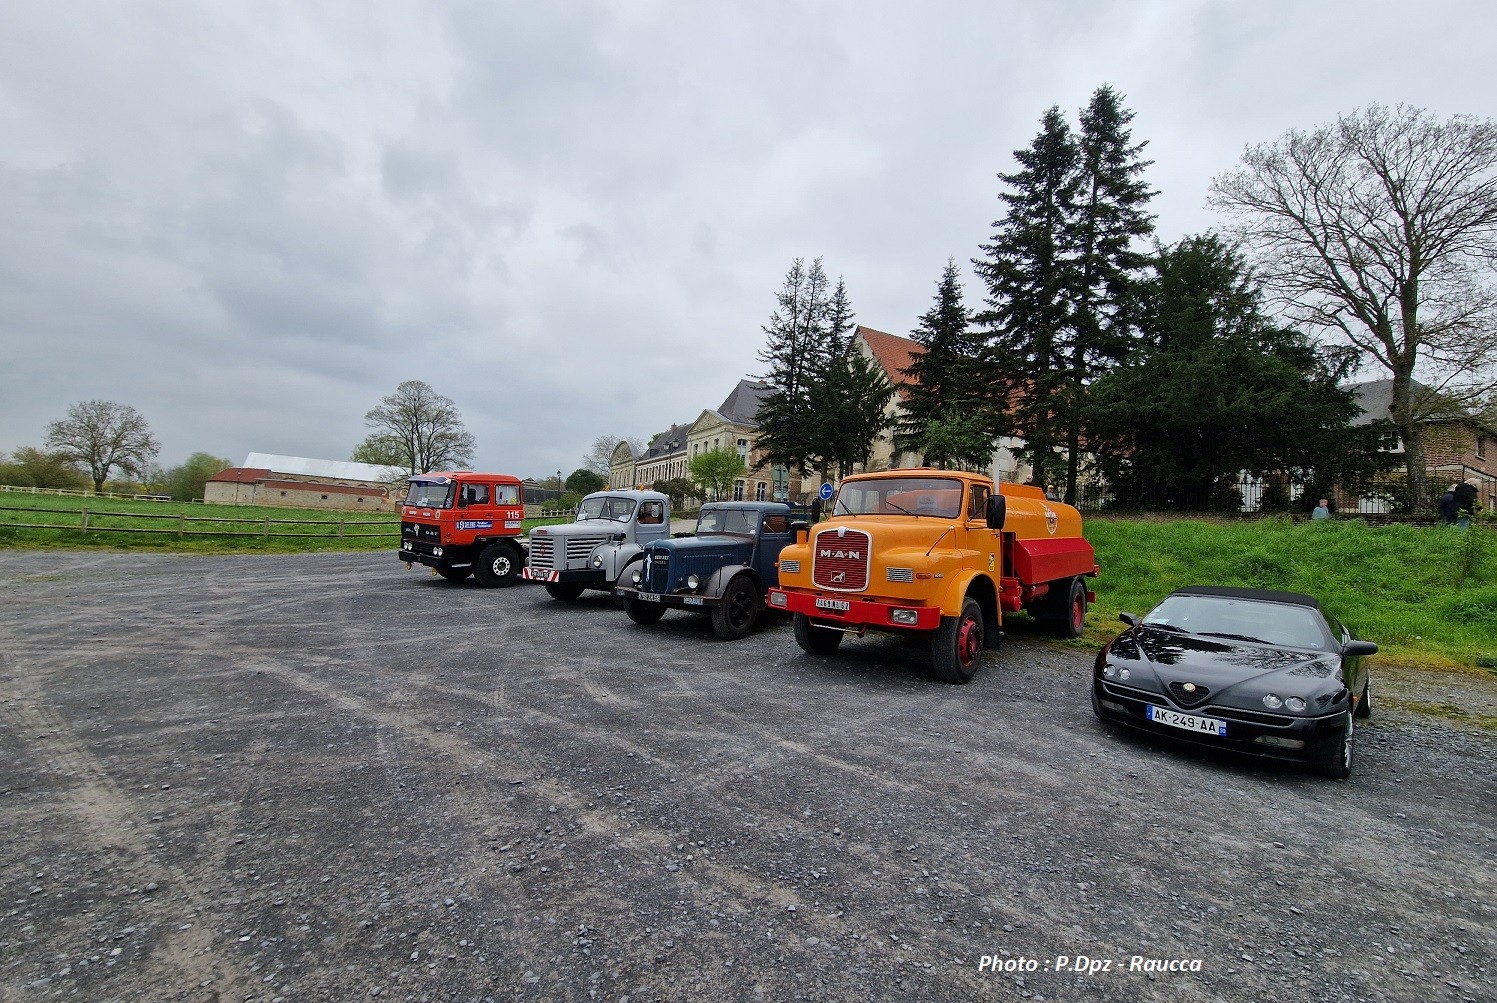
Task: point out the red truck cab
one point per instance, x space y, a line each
461 523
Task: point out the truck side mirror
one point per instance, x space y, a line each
997 511
800 530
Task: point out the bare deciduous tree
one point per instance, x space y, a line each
599 458
104 435
416 428
1382 229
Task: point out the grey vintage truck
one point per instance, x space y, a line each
724 569
592 552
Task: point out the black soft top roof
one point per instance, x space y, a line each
1261 595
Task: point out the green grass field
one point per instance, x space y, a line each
204 529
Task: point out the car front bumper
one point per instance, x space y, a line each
1295 738
860 614
587 577
691 602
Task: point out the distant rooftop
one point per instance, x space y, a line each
309 467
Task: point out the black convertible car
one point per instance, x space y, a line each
1267 673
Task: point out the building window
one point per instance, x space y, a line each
760 488
324 497
1481 447
738 491
283 494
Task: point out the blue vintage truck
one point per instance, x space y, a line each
724 569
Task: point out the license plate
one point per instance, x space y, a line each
693 600
647 597
1187 722
840 605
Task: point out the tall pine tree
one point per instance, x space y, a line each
945 378
1032 277
1063 277
797 350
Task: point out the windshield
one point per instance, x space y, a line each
728 520
1241 619
430 494
934 496
606 507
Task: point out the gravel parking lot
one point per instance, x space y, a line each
327 778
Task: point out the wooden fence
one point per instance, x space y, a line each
335 531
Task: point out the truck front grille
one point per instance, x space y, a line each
840 560
420 531
541 550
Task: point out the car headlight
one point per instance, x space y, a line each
1295 704
693 582
1123 673
1272 701
1110 671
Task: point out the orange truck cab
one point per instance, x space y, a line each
461 523
939 552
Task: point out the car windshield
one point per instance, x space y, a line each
1241 619
728 520
430 494
606 507
933 496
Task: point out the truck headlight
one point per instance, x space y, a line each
693 582
635 577
778 599
597 562
436 551
406 545
907 617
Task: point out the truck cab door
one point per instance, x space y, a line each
651 522
982 540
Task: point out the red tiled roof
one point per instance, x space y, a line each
892 352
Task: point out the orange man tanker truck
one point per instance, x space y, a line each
937 552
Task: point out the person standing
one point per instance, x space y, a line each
1447 506
1322 511
1466 505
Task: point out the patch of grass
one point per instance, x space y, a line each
1426 594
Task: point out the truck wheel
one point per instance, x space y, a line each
1072 618
643 612
956 648
734 617
563 592
498 566
455 574
814 640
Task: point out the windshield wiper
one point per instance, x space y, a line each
843 506
902 509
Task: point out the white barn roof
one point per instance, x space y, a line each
308 467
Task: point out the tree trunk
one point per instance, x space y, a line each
1407 422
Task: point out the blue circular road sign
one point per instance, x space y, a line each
826 491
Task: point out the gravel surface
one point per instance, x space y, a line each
323 777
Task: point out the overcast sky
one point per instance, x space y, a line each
252 220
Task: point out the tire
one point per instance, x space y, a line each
1063 610
644 613
734 617
1364 705
455 574
1096 703
1338 760
564 593
956 649
623 580
814 640
498 566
